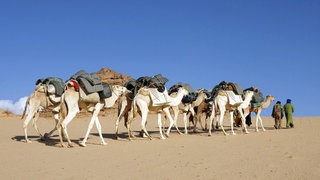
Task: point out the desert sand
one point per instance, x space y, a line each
273 154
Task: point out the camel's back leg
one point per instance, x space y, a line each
33 111
34 124
121 112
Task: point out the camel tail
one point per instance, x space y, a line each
25 108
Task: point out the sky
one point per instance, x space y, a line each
273 45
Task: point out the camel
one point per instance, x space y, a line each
142 103
222 104
123 112
257 111
188 107
41 98
203 108
71 104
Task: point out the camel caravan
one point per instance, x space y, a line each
137 98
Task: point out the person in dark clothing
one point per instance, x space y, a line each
277 114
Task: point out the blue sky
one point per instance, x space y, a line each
273 45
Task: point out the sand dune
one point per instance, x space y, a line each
273 154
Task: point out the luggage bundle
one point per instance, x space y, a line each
91 83
54 85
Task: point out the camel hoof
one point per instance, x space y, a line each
265 129
234 134
46 135
28 141
63 146
70 145
42 138
82 144
104 143
162 138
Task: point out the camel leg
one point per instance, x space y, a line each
98 125
201 125
222 109
243 119
258 118
185 122
117 125
63 125
34 124
231 123
221 124
128 129
195 121
31 115
122 107
56 118
160 125
166 111
94 119
175 120
211 120
143 123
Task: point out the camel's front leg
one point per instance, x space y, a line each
56 118
185 122
231 123
160 125
243 119
94 119
143 123
63 125
175 120
211 121
166 111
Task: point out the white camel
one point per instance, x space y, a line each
40 98
188 107
71 104
142 103
222 104
257 111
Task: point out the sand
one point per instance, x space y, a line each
273 154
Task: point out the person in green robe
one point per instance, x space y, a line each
288 110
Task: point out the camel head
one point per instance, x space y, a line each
120 90
270 97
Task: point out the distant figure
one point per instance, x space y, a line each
289 109
248 119
277 114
